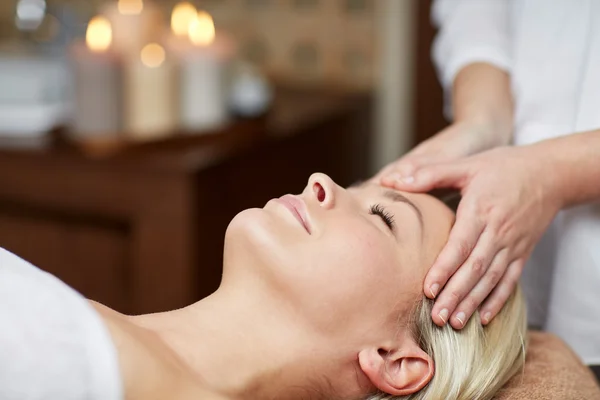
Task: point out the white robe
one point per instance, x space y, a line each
552 51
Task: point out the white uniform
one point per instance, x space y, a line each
53 344
552 51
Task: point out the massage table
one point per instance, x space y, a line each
552 372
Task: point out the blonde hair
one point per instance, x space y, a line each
475 362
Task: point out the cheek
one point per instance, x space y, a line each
360 260
347 276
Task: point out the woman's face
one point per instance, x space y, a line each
344 260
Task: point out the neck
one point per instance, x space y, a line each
243 346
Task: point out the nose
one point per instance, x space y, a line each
323 189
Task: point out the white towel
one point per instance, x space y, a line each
53 344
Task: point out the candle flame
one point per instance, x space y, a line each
130 7
202 29
153 55
181 18
99 34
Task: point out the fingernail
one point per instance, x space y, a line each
486 317
433 290
443 315
408 179
461 318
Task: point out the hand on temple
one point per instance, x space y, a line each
508 201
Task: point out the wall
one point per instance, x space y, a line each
357 44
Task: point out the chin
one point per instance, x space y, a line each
258 240
251 232
244 223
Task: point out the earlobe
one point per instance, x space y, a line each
397 372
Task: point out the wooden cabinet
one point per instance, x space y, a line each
92 256
140 227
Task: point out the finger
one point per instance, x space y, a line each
482 289
464 280
496 300
428 177
460 284
463 237
402 168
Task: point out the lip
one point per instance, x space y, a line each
297 208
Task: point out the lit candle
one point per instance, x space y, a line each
182 17
97 82
134 24
204 70
177 40
151 100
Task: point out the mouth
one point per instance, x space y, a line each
297 208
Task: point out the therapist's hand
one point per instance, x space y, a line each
508 201
458 140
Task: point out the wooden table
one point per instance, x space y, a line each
140 227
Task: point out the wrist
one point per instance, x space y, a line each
554 172
482 96
486 131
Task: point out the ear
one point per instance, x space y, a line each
398 371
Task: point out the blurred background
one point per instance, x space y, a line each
132 131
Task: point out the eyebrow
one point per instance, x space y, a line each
397 197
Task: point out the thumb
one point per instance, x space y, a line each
429 177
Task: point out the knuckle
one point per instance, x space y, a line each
512 276
470 206
494 276
521 246
488 209
463 248
504 227
478 266
454 297
470 304
510 284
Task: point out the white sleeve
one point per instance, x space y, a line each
470 31
53 345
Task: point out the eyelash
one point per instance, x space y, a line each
387 217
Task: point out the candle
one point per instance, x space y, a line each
204 68
134 24
97 82
151 101
177 39
182 17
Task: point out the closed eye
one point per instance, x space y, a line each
387 217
